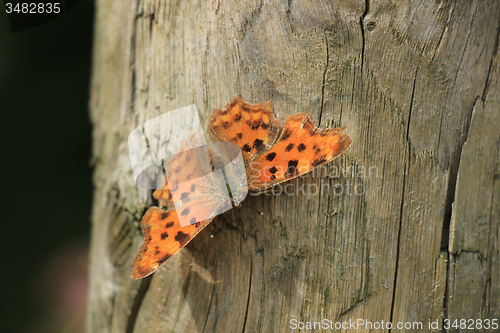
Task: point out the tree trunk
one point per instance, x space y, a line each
406 227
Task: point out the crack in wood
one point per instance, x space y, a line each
493 55
446 300
411 106
248 299
324 80
361 24
450 199
361 20
407 168
453 175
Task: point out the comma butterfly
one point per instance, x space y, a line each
270 155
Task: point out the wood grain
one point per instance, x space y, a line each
406 227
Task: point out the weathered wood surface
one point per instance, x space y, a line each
416 83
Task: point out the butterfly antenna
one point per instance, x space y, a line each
255 210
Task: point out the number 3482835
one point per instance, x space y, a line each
33 8
471 324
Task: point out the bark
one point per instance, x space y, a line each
407 226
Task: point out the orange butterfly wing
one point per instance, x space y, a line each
163 234
300 148
201 199
252 127
163 237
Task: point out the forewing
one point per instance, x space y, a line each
300 148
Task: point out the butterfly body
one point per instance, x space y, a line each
271 156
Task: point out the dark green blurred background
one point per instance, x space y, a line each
46 172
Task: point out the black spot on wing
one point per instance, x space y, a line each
257 143
239 135
193 187
237 117
185 212
286 135
182 238
169 225
164 235
289 147
246 148
292 168
185 195
270 156
193 220
273 170
264 126
301 147
164 215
